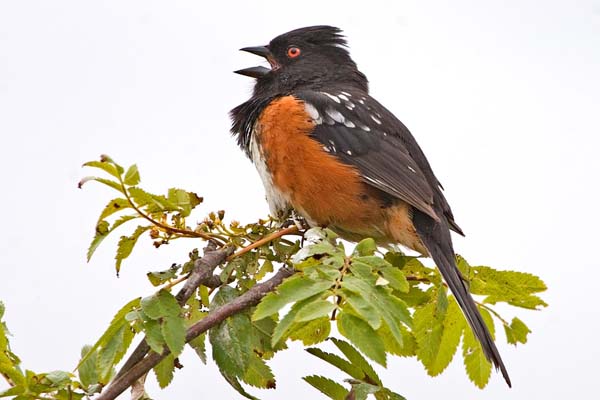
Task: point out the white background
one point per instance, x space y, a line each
502 96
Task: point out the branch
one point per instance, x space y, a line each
202 273
246 300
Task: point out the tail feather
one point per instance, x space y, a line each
436 238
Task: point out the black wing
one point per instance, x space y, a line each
363 133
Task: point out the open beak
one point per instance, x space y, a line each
256 72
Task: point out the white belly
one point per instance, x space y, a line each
279 205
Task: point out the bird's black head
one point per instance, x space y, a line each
314 57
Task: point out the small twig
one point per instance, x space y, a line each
246 300
261 242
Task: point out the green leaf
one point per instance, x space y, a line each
357 359
338 362
116 324
428 329
396 278
113 206
154 336
453 326
164 307
173 330
516 332
105 361
407 348
316 309
199 346
312 332
182 199
164 371
132 176
231 340
237 386
366 247
87 370
295 288
284 326
362 336
392 310
126 244
103 230
478 367
258 374
361 390
515 288
329 388
364 309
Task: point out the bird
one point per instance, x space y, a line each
328 151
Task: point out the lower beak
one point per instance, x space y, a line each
256 72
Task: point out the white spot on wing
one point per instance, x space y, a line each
377 120
412 169
349 152
349 105
335 115
332 97
343 97
346 93
365 128
349 124
313 113
361 101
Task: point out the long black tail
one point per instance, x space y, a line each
436 238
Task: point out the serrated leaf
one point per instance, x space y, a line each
284 326
353 370
295 288
329 388
181 198
366 247
173 330
103 230
199 346
126 243
357 359
132 176
515 288
407 348
396 278
363 308
231 340
362 336
428 327
453 326
105 361
479 369
87 370
117 322
164 371
311 332
516 332
113 206
258 374
316 309
154 336
392 310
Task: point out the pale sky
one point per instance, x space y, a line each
504 98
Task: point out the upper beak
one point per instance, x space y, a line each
256 72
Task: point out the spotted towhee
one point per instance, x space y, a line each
328 150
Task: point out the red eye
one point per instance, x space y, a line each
293 52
